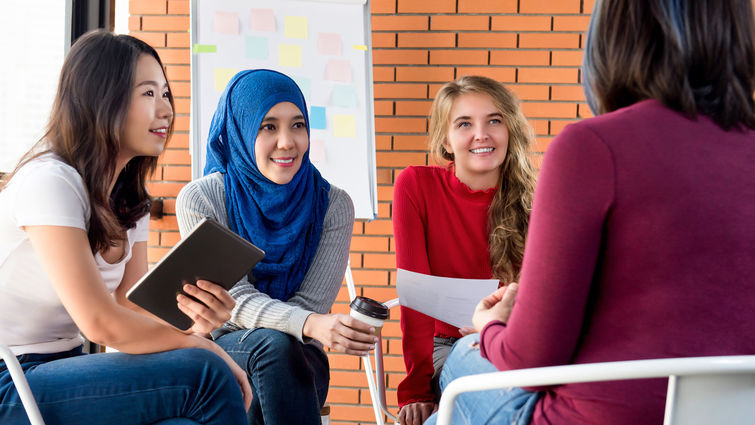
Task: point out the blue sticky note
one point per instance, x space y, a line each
344 96
256 47
317 118
305 85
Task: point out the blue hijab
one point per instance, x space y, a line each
284 220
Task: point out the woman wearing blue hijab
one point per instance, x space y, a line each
260 183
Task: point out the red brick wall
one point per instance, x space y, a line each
533 46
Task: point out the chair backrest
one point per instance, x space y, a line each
701 391
22 386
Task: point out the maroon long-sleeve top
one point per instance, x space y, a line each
641 245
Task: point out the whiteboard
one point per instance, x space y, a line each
325 46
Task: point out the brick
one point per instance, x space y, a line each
174 56
530 91
383 6
588 6
343 395
147 7
566 58
134 23
498 40
383 39
403 57
385 193
383 107
384 208
369 243
383 142
379 293
182 174
165 23
355 260
164 189
400 159
179 140
153 239
458 57
549 6
352 413
558 125
183 105
584 111
478 6
541 143
175 157
379 227
181 123
504 75
168 222
181 89
426 39
521 23
179 39
413 107
459 23
401 125
383 73
549 110
571 23
169 206
403 142
424 6
179 7
575 93
169 238
358 227
154 39
155 254
520 57
540 127
548 75
379 261
424 73
548 40
400 23
400 91
178 73
371 277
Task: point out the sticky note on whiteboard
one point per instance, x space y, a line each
226 22
317 151
305 85
344 96
222 77
317 119
263 20
344 126
329 44
296 27
256 47
338 70
289 55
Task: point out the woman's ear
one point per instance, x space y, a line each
447 149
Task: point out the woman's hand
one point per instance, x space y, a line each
213 310
496 306
416 413
340 332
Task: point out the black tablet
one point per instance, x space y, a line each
210 252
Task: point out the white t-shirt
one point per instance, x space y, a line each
48 192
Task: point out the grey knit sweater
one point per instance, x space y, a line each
205 197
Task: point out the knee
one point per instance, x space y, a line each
270 342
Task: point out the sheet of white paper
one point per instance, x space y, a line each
447 299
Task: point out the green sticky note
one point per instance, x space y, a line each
205 48
305 85
289 55
344 96
344 126
256 47
222 77
295 27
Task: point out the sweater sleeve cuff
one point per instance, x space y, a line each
296 324
490 330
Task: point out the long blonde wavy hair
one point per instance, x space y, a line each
509 213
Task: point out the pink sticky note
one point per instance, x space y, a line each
263 20
338 70
317 151
226 22
329 44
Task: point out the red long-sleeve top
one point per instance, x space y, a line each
440 226
641 245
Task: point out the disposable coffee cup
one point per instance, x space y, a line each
369 311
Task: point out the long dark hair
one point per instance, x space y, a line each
509 213
694 56
85 127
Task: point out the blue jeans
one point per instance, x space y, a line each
510 406
289 379
119 388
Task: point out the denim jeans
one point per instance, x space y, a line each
124 389
510 406
289 379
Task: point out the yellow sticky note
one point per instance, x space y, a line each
289 55
296 27
344 126
360 47
223 76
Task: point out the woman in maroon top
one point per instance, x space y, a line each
642 232
466 220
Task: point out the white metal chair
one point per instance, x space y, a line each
376 380
701 390
22 386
